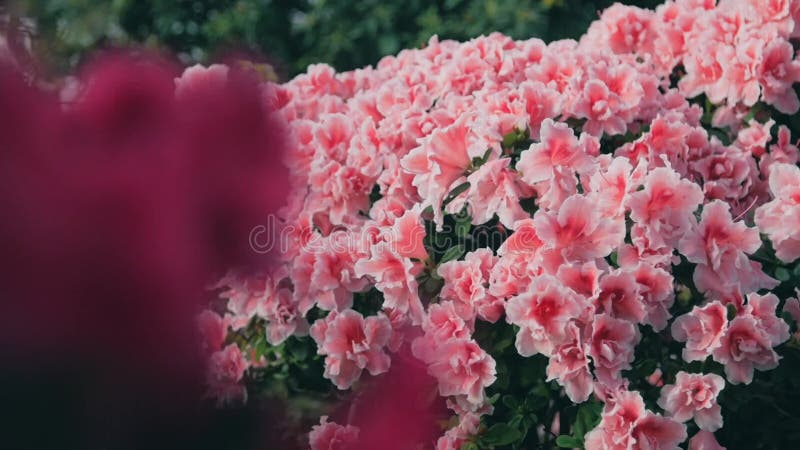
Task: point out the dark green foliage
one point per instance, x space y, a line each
295 33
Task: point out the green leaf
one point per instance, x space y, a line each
501 434
469 446
731 311
510 401
782 274
463 227
587 418
452 254
564 441
458 190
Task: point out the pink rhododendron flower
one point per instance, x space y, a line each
466 284
542 313
569 365
351 344
665 206
619 297
332 436
395 276
612 344
720 247
495 189
656 289
780 218
704 440
777 73
702 329
763 308
226 368
619 417
558 151
577 231
745 347
694 396
461 366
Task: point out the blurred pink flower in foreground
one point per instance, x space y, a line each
119 209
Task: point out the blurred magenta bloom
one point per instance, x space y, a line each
117 211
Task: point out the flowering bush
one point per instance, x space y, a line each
583 244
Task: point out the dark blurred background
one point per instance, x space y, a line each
291 33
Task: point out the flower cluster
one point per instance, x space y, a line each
572 190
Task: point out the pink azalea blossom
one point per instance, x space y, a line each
702 329
665 206
351 344
577 231
542 313
720 247
461 367
619 297
704 440
332 436
612 344
466 283
780 218
395 276
558 150
495 189
745 347
569 365
694 396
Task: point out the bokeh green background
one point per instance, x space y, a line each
291 33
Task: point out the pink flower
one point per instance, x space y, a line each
569 365
577 231
461 367
620 416
226 368
601 108
624 29
656 289
777 73
665 205
720 247
213 329
542 313
395 276
495 189
694 396
658 433
745 347
408 234
581 278
615 183
350 344
728 174
466 283
754 137
704 440
198 79
440 163
541 103
780 218
781 152
763 308
324 273
558 150
441 324
332 436
612 344
702 330
619 297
